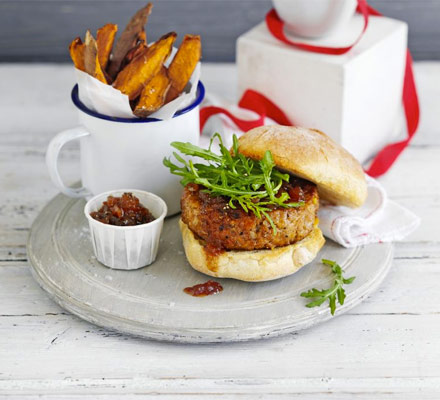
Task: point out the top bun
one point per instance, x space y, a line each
312 155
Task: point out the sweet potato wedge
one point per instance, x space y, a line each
153 94
183 65
132 79
133 32
133 53
76 50
91 62
142 37
105 37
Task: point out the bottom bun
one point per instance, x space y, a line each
252 266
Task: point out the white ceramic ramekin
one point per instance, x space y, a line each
126 247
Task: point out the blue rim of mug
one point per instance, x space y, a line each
81 106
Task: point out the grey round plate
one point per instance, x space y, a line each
150 302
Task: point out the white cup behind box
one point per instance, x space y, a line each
314 18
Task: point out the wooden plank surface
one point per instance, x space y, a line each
386 348
40 30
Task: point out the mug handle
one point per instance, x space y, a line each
52 154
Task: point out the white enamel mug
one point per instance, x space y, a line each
125 152
314 18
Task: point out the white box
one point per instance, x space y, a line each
355 98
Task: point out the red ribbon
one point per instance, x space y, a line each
244 125
253 101
260 104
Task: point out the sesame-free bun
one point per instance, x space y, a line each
312 155
254 265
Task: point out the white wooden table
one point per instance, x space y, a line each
386 348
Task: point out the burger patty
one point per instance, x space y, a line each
211 219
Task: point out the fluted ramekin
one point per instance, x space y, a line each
126 247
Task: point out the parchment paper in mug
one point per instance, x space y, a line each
107 100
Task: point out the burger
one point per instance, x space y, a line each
250 212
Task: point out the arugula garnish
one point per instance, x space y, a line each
332 294
253 185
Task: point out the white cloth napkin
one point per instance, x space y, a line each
378 220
